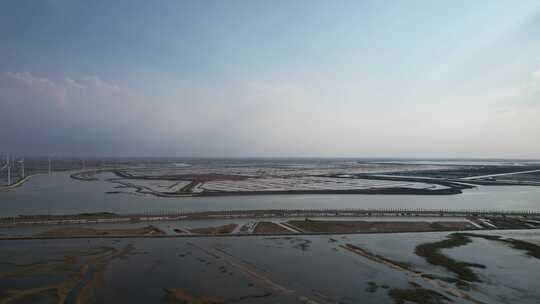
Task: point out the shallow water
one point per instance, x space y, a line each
278 269
60 194
510 275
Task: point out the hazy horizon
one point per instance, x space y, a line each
81 157
353 79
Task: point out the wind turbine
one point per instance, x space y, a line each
21 162
5 165
8 170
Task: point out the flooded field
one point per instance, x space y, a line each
60 194
295 269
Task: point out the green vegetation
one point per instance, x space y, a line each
269 228
97 215
372 287
225 229
73 231
75 266
532 250
355 226
417 295
378 258
180 296
437 226
432 253
57 291
34 269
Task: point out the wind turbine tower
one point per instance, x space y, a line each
5 165
22 167
8 170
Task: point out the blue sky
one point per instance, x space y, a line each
271 78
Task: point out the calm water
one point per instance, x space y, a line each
273 269
58 194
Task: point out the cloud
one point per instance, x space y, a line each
35 84
73 83
71 116
90 115
283 117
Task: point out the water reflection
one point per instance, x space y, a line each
59 194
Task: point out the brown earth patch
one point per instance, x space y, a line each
380 226
72 231
269 228
225 229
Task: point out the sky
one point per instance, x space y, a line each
438 79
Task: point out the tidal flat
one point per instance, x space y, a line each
305 185
273 269
98 236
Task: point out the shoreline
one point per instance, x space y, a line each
108 217
186 235
19 183
452 188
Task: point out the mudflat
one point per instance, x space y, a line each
270 228
377 226
77 231
225 229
